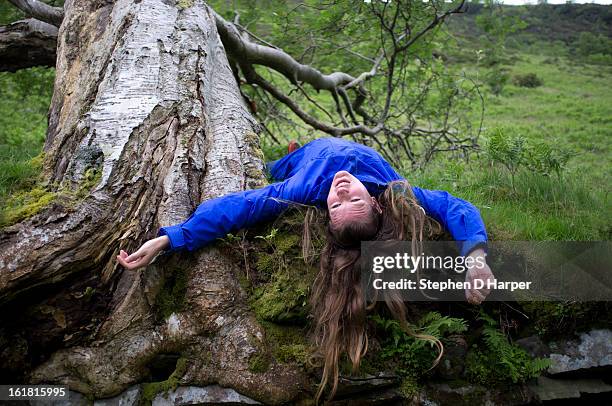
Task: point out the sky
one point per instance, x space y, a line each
555 1
536 1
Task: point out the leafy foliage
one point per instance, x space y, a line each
497 25
515 152
414 356
495 360
527 80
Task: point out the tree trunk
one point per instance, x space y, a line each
145 97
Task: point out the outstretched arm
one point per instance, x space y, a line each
460 217
215 218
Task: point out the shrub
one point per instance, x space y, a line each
515 152
495 360
527 80
497 79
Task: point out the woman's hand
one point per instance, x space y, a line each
478 270
145 254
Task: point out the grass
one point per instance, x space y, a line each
25 96
571 110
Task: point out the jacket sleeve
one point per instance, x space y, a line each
217 217
461 218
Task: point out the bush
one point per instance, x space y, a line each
527 80
497 79
515 152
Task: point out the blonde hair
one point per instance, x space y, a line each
338 303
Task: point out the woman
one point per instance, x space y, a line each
362 198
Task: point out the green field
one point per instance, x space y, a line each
571 111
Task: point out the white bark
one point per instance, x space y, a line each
144 93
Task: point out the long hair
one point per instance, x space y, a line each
337 300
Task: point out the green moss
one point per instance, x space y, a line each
259 362
91 178
33 197
409 387
151 389
550 319
36 162
284 297
23 205
287 343
183 4
284 242
266 264
171 297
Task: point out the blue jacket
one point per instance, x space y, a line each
305 177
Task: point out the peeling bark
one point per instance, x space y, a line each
145 95
27 43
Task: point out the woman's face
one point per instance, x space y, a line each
348 200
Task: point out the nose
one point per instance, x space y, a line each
342 192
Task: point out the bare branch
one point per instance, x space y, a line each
254 77
246 51
40 11
436 21
27 43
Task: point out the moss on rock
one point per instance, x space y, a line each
184 4
552 319
287 343
259 362
284 280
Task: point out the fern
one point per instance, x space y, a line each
502 361
414 356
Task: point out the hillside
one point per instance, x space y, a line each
545 22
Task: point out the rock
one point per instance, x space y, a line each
592 349
74 399
207 395
453 361
386 397
352 385
130 397
551 389
534 346
443 394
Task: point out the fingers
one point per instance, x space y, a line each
133 261
138 254
475 295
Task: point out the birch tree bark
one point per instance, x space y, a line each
144 97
